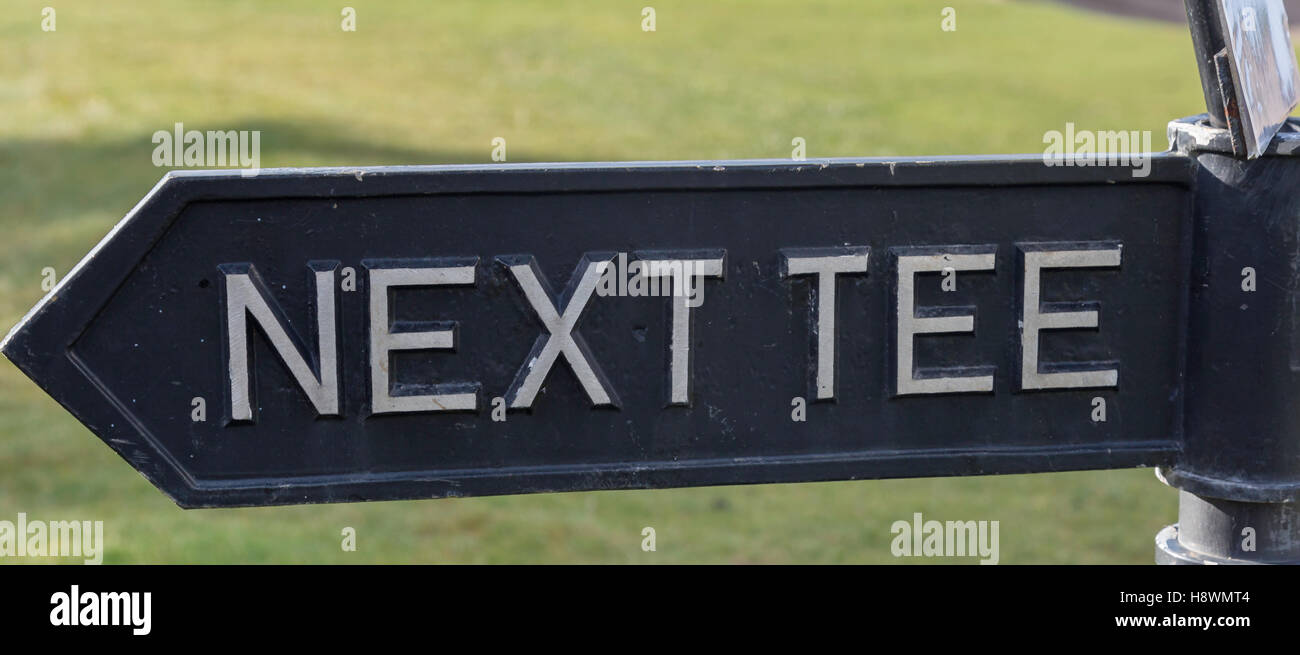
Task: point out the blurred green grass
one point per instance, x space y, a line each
422 83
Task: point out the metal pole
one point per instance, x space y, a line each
1207 41
1217 531
1238 474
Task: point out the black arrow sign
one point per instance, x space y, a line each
361 334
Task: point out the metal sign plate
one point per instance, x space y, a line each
365 334
1263 63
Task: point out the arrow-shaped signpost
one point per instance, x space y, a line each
336 335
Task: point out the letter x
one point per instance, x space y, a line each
559 338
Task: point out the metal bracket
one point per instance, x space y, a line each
1247 67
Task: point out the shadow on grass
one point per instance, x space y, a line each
57 179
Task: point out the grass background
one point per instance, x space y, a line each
561 80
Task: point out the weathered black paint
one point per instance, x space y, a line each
1243 422
135 331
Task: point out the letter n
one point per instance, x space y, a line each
245 296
